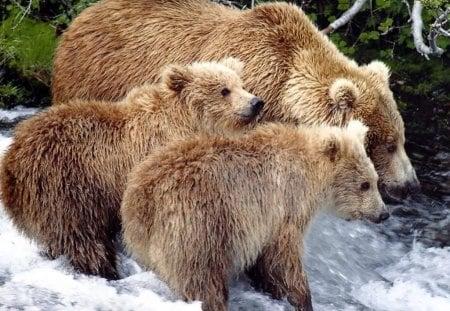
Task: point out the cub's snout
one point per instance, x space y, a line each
382 216
257 104
253 109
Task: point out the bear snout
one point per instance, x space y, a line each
257 105
397 193
384 216
253 109
413 186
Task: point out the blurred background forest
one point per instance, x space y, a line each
30 30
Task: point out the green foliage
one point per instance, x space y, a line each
433 78
385 26
10 95
55 12
28 37
343 5
383 4
432 4
27 46
365 37
71 11
342 44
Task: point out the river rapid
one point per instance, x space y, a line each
401 264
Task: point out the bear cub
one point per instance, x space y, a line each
197 211
63 177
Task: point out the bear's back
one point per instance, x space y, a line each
120 44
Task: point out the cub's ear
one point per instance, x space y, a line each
358 129
233 63
176 77
344 97
380 70
331 147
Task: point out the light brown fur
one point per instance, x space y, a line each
303 78
198 211
63 177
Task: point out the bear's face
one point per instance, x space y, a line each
355 193
334 95
385 142
387 151
214 93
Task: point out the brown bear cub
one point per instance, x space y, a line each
288 62
196 212
63 177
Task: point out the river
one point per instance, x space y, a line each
401 264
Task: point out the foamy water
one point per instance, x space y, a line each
17 112
350 265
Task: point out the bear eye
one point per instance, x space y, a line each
391 148
365 186
225 92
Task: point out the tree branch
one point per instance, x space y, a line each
345 18
408 6
436 29
439 23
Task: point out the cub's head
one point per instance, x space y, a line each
213 91
355 192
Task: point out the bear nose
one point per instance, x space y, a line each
384 216
413 187
257 104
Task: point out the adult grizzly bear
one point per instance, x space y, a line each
197 211
63 177
117 44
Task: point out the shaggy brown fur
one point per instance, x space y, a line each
303 78
63 177
196 212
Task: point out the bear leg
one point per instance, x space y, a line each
93 256
279 271
210 286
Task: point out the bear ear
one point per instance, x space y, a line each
358 129
176 77
331 147
344 97
234 64
380 69
344 94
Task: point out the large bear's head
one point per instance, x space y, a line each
323 94
214 93
385 141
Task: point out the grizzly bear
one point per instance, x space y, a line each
63 176
289 63
196 211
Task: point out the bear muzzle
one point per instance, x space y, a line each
380 217
395 193
384 216
255 106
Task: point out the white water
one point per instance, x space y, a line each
351 266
